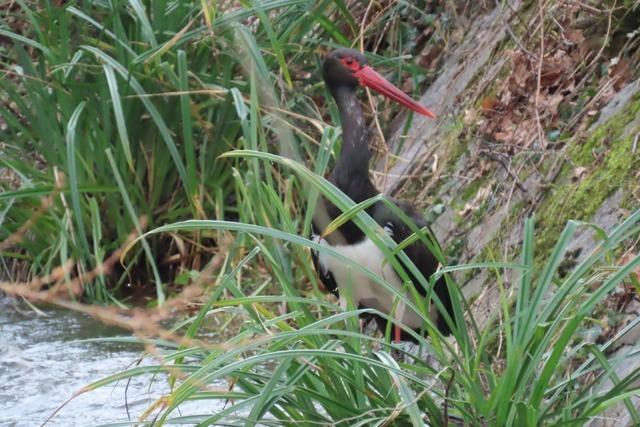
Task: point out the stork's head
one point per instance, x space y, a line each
341 65
349 68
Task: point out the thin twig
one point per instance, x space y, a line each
584 6
606 37
539 79
512 34
506 167
369 96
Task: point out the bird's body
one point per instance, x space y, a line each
362 289
344 70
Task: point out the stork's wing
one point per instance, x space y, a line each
417 252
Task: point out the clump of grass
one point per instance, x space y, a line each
311 364
130 120
120 110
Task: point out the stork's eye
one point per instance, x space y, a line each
350 63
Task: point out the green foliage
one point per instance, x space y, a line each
163 86
609 166
121 111
311 364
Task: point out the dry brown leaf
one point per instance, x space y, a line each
489 104
550 103
575 36
503 136
620 73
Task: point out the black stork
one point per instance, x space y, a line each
343 71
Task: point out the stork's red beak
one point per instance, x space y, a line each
370 78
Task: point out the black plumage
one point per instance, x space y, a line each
343 71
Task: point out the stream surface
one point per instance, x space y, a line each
44 361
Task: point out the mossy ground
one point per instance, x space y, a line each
607 163
610 166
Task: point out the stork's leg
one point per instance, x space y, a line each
399 317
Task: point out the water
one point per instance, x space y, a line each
43 363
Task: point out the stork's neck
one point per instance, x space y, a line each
351 173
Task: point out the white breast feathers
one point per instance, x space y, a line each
362 289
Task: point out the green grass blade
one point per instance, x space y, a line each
134 218
74 180
119 114
153 111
